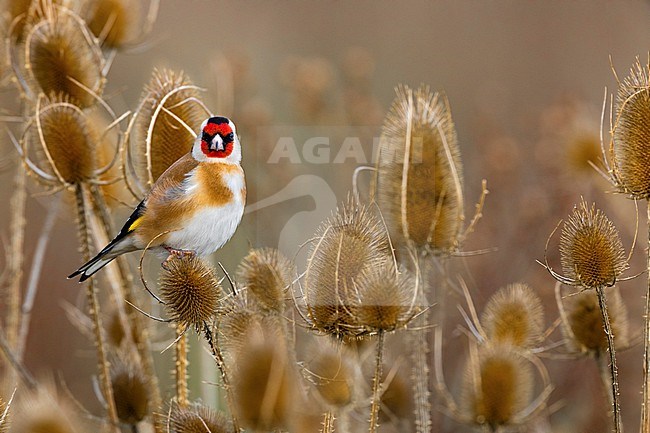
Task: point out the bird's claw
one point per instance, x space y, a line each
176 254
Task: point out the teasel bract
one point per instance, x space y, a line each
60 56
163 126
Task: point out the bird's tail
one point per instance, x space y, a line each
92 266
104 257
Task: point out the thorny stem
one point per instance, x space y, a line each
93 305
645 404
328 422
221 364
139 332
376 386
181 366
613 369
15 257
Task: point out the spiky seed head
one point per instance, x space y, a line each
497 386
62 143
591 251
419 180
583 152
114 22
195 418
4 416
631 134
190 290
397 399
46 411
267 275
333 375
514 315
160 139
585 324
263 382
130 390
62 57
346 244
385 298
238 317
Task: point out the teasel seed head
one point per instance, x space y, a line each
497 386
61 141
514 316
196 418
631 134
584 328
238 317
61 56
345 245
114 22
385 298
263 382
130 390
397 400
591 251
190 290
267 275
43 410
419 183
160 139
333 375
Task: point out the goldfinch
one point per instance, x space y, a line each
194 207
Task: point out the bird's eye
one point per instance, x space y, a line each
229 138
206 137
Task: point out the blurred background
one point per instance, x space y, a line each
525 81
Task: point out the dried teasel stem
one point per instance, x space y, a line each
94 311
181 365
223 370
139 331
12 287
645 408
613 369
376 385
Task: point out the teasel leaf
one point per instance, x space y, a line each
591 251
267 275
168 116
62 57
345 245
419 183
514 316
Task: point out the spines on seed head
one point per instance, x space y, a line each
514 316
419 181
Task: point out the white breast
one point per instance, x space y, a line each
209 229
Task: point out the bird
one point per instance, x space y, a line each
193 208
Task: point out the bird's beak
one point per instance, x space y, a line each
217 143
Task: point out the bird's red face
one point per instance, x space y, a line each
217 138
